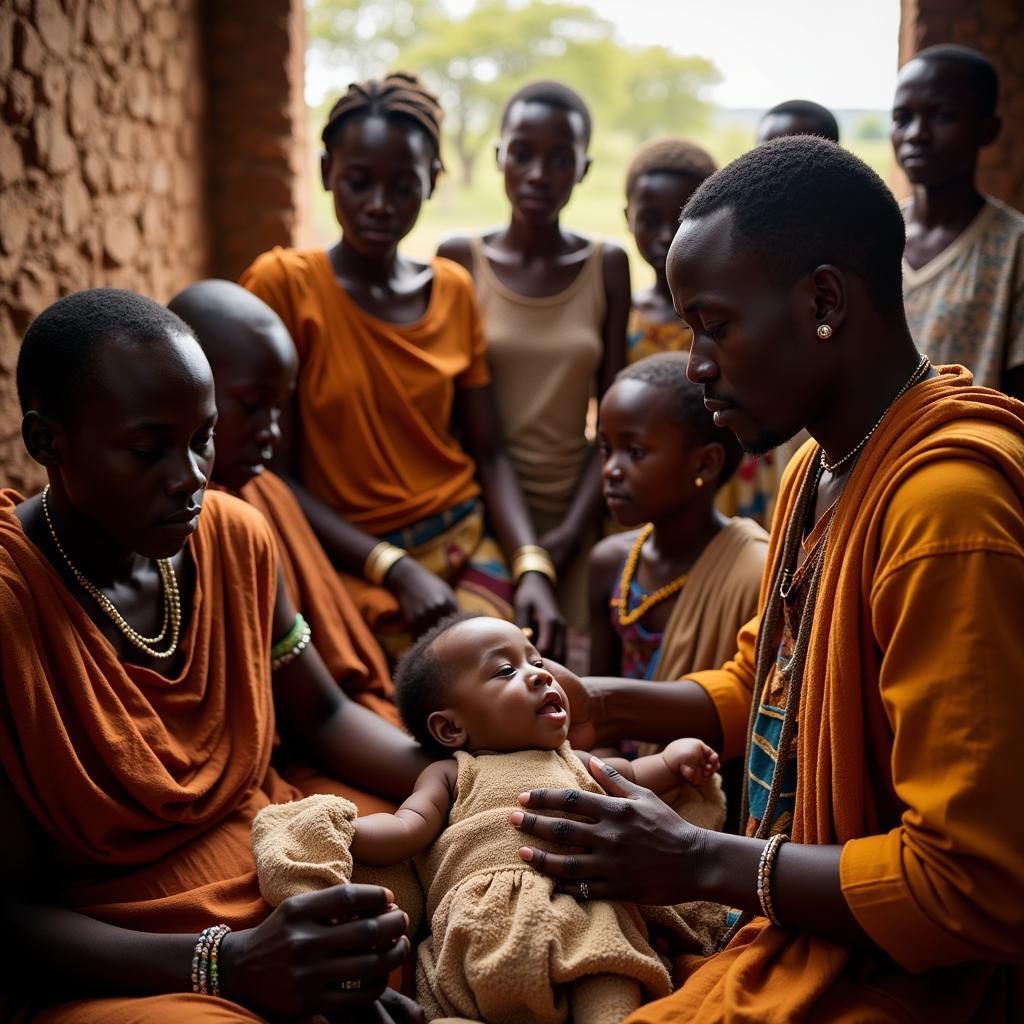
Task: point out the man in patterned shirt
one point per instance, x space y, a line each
963 267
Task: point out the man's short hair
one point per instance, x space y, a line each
799 202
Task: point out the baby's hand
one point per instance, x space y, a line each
691 759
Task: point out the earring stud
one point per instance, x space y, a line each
699 481
824 332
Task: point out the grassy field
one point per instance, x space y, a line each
596 206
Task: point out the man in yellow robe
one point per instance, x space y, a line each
876 698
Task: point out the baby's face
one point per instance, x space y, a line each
502 696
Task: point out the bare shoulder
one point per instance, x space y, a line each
614 260
457 248
615 272
607 555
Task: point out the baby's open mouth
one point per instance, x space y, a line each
552 705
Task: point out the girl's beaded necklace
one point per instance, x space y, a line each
172 598
625 616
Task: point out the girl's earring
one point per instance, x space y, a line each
699 481
824 332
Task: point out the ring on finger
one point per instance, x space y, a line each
352 984
584 891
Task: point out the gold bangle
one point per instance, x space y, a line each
532 561
380 560
530 549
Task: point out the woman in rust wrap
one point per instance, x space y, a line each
137 709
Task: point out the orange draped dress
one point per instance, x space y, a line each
145 786
910 723
375 402
341 637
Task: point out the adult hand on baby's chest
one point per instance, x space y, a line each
634 846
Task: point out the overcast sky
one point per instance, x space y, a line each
841 53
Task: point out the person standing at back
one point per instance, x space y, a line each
555 305
798 117
963 268
659 181
392 447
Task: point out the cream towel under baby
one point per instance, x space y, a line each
503 945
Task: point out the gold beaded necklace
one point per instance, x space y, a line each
172 598
626 617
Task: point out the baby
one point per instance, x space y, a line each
504 946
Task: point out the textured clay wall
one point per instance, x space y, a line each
100 164
144 144
257 153
996 27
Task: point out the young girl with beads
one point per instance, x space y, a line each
393 448
555 304
668 596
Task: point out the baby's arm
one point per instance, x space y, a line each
685 760
384 839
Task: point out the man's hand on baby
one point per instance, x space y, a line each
691 759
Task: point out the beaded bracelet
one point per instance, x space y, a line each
205 970
765 867
380 560
291 645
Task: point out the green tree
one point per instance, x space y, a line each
476 61
660 91
870 127
363 38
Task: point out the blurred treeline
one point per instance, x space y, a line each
476 54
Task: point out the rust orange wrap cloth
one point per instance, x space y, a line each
146 787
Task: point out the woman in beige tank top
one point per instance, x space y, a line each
555 306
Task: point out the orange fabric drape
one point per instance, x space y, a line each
342 638
375 398
146 786
910 720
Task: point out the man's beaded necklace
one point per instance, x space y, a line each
922 369
172 598
626 617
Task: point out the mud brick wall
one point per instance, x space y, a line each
144 144
257 153
996 28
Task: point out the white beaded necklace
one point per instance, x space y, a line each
172 597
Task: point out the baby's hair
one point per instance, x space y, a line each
553 94
60 346
981 72
421 681
799 202
667 371
670 155
400 94
823 118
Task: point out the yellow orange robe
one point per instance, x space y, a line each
375 398
909 731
